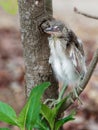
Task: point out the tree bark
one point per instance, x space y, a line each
35 44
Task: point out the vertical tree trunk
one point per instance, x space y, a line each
35 44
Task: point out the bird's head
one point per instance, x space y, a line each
56 28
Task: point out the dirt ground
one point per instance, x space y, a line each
12 70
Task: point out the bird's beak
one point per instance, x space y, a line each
49 30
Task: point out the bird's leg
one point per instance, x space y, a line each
78 88
53 102
49 100
76 94
80 79
61 94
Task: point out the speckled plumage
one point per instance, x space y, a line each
66 54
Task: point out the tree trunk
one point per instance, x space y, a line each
35 44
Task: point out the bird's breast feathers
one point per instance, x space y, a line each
61 64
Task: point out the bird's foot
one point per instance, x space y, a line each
76 94
70 98
79 88
52 102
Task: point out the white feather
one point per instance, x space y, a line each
79 41
61 64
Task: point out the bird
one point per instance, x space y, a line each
67 56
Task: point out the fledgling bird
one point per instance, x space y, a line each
66 54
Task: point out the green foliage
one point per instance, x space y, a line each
51 114
9 6
41 124
4 129
30 112
35 114
7 114
59 123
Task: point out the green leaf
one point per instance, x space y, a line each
48 114
64 120
9 6
31 110
51 114
4 129
7 114
58 107
41 124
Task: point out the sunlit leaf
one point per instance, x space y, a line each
48 114
9 6
30 112
64 120
41 124
4 129
7 114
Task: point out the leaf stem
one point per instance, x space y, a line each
22 128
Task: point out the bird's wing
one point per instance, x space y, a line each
79 45
76 52
76 58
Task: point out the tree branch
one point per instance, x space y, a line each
83 83
85 14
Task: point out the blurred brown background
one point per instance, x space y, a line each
12 88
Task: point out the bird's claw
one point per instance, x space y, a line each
76 94
51 102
